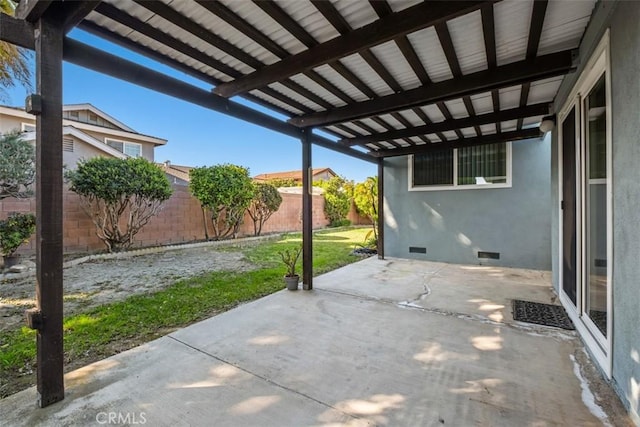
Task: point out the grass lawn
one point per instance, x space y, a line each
112 328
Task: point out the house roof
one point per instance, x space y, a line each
296 175
123 132
99 113
180 172
384 78
82 136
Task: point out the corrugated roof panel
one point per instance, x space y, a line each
450 135
305 14
416 140
265 24
392 121
341 83
274 101
398 5
373 124
387 144
357 129
373 146
468 42
341 132
188 38
309 84
469 132
564 24
428 48
222 29
433 112
357 14
544 90
412 117
394 61
482 102
509 125
531 121
457 108
295 96
434 138
509 97
360 68
488 129
152 44
512 22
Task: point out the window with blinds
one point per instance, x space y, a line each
478 166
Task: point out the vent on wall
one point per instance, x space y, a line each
489 255
67 145
417 250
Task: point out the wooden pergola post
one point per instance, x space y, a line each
48 315
381 208
307 217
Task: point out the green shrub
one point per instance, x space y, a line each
115 191
266 201
16 230
17 166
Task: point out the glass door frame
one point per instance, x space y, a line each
599 345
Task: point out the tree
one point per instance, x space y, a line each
365 197
14 61
265 202
120 196
225 191
336 199
284 182
17 166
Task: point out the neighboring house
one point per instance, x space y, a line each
318 174
568 202
178 175
87 132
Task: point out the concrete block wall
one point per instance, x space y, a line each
179 221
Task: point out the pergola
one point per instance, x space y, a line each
385 78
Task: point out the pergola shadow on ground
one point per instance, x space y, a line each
384 79
378 342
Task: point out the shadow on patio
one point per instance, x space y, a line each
392 342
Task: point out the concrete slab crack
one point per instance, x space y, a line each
268 380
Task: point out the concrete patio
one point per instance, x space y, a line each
393 342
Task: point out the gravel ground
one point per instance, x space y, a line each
101 280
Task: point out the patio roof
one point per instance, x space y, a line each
385 78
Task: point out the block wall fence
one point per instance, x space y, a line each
179 221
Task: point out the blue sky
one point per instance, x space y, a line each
197 136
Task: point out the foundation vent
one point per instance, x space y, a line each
488 255
417 250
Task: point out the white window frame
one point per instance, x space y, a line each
23 126
455 185
124 145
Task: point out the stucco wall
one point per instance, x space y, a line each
622 19
454 225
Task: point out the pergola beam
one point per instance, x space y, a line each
466 142
539 68
103 62
398 24
16 31
448 125
32 10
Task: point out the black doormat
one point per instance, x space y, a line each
541 314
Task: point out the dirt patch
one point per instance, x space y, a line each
102 281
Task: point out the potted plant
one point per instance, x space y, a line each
14 231
290 259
